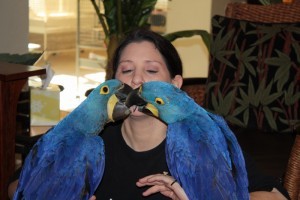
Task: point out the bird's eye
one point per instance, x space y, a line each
104 90
159 101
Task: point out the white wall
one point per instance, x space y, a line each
193 14
13 26
184 15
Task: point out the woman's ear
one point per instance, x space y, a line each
177 81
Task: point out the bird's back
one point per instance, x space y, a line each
49 174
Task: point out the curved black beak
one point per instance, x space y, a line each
123 92
134 99
120 110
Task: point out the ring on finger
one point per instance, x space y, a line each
173 182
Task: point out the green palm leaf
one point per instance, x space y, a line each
267 32
206 37
25 59
246 59
269 117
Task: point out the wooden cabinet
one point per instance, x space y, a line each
12 79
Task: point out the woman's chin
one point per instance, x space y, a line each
135 112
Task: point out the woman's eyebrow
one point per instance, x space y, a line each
153 61
125 61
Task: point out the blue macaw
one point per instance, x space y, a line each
202 153
68 162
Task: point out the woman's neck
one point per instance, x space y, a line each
143 133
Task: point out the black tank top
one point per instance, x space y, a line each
124 167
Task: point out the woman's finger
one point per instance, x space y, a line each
164 184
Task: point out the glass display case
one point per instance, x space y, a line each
52 25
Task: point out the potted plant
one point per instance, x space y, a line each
120 17
24 59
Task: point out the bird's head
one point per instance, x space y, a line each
114 92
162 100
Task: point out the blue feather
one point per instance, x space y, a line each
68 162
202 153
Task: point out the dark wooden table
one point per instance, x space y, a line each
12 79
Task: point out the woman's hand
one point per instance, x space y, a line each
164 184
92 197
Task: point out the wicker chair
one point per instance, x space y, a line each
292 176
276 13
195 88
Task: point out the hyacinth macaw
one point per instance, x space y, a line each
68 162
202 153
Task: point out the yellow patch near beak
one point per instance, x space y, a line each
152 109
112 101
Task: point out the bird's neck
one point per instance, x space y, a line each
85 118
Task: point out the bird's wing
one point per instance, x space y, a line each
236 154
68 161
48 173
198 163
200 150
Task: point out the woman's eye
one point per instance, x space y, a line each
152 71
126 71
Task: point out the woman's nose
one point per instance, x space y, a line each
137 79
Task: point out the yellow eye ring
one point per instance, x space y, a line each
104 89
159 101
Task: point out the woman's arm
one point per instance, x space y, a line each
258 195
161 183
12 188
262 186
263 195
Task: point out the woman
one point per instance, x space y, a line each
135 148
140 138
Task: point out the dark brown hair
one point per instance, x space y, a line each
164 46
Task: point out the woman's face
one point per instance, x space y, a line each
141 62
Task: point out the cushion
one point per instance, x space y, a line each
254 74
